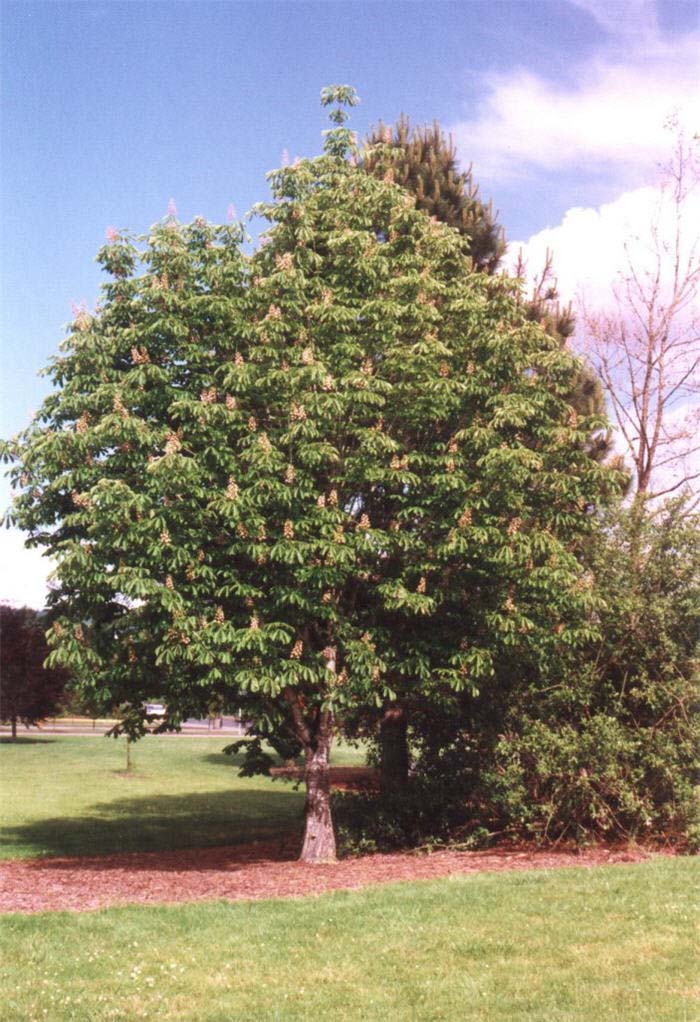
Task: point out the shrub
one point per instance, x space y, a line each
428 811
602 779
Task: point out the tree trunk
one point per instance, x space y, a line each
14 728
319 839
393 742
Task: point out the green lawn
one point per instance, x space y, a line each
69 796
612 944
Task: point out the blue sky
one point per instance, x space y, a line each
112 109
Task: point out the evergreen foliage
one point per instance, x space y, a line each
304 478
424 162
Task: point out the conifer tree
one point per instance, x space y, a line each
300 478
424 162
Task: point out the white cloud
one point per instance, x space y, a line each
23 572
591 250
590 247
609 122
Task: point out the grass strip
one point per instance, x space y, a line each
610 944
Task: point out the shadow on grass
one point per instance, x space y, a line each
162 823
20 740
223 759
236 761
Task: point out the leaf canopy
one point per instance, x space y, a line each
341 462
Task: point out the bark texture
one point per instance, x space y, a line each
316 737
319 838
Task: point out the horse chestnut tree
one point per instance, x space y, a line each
306 477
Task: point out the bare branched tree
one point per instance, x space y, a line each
542 305
646 348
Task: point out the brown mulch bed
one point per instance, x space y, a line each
250 872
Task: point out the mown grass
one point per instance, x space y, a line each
65 795
611 944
